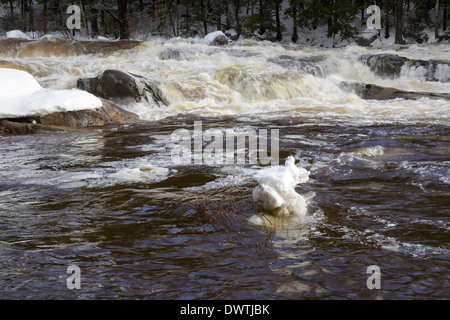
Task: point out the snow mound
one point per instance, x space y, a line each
276 190
214 37
22 96
17 34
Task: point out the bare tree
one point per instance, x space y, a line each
123 19
399 22
436 22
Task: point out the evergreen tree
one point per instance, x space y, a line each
340 15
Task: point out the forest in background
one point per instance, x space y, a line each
274 20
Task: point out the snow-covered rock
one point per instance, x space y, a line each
22 96
26 107
216 38
17 34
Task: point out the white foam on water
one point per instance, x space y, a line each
427 171
144 173
442 72
376 151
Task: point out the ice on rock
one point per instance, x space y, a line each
276 190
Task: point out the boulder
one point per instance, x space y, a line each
117 85
216 38
385 65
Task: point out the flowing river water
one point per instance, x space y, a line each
379 179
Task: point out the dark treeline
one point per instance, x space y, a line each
263 19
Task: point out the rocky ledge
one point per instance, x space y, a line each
375 92
109 113
391 66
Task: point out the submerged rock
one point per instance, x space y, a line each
176 54
117 85
309 65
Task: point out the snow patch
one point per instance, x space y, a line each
21 96
17 34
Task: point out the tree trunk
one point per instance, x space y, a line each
103 22
57 13
386 19
228 20
188 31
277 18
94 23
444 16
11 7
171 20
262 30
203 15
44 17
236 16
436 22
399 22
217 9
294 37
123 19
31 15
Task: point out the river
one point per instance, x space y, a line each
111 201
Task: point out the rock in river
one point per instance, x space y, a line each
109 113
117 85
27 107
375 92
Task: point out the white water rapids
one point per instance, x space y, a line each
247 78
